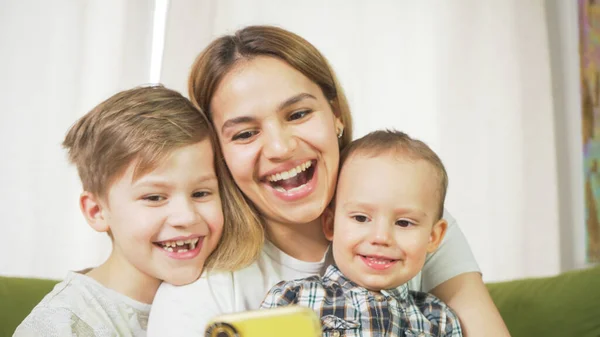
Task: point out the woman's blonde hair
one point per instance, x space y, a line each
221 56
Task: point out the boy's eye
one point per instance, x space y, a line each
360 218
201 194
299 114
403 223
244 135
154 198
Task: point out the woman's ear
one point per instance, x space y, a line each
437 234
92 210
339 127
327 222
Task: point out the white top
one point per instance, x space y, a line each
185 310
80 306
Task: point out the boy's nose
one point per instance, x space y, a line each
183 214
381 233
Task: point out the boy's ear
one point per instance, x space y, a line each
92 210
327 222
437 234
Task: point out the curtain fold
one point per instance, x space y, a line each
59 59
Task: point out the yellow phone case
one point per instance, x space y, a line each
290 321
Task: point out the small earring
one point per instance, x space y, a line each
341 133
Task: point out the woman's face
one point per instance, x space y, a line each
279 138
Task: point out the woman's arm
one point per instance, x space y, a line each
468 296
452 274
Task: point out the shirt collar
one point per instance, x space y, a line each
335 275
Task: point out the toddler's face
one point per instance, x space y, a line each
167 222
385 219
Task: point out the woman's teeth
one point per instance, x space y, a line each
291 173
281 189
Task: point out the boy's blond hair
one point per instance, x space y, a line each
145 124
398 143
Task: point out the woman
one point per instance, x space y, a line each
282 119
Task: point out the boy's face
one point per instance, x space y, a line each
167 222
385 219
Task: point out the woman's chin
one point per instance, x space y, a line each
300 214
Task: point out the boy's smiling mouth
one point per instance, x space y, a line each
179 246
378 262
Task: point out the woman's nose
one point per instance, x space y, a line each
279 144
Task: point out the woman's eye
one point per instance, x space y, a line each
299 114
404 223
360 218
244 135
153 198
200 194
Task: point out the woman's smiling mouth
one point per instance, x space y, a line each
295 183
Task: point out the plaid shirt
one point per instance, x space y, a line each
347 309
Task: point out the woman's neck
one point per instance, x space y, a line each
305 242
119 275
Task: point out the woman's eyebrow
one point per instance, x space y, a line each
237 120
247 119
295 99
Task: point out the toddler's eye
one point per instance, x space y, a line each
360 218
403 223
200 194
153 198
299 114
244 135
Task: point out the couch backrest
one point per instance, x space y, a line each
563 305
17 297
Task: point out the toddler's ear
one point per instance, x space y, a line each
92 211
327 222
437 234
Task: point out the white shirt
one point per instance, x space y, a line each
80 306
185 310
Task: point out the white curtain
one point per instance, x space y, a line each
471 78
58 60
491 85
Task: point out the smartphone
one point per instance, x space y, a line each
289 321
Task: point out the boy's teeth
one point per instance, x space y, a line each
169 245
378 261
291 173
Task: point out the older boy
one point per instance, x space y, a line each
387 217
145 159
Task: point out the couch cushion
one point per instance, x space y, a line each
17 297
564 305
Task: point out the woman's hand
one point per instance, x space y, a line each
468 296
